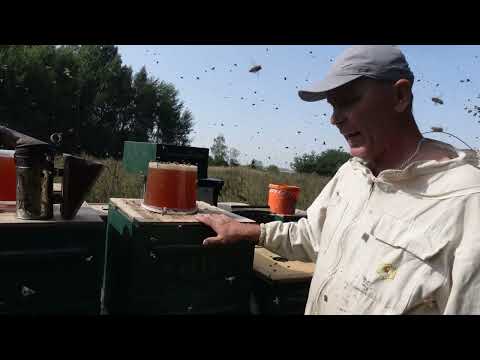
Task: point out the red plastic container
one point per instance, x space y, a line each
282 198
8 177
171 187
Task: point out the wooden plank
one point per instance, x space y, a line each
267 264
57 187
230 205
133 210
84 215
100 208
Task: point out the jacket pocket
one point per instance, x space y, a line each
422 242
392 270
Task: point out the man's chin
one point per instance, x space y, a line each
360 152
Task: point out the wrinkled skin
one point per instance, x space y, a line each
229 231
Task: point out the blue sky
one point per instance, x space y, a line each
279 119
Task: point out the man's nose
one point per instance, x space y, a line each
338 117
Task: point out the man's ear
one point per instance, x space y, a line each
403 95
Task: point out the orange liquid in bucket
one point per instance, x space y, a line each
282 199
8 177
171 187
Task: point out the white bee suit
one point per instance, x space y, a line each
406 241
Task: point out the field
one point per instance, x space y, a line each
242 184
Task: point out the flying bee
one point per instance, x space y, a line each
255 69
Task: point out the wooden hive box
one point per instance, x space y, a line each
156 264
280 286
51 266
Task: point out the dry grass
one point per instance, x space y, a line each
248 185
115 182
242 184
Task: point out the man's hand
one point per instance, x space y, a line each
228 231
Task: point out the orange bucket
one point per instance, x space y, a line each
282 198
171 188
8 176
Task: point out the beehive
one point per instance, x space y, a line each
156 264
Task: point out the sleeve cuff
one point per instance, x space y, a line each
263 235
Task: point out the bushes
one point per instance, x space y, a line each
326 164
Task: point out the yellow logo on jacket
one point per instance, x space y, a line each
386 271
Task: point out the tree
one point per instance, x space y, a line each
86 92
173 123
106 101
219 151
327 163
233 155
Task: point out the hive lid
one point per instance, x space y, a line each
135 212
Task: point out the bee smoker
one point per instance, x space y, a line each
35 172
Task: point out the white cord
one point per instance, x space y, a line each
414 154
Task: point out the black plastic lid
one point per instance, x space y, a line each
211 182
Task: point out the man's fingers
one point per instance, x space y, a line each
213 220
203 219
214 240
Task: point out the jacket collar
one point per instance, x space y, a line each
420 168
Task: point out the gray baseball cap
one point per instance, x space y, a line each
382 62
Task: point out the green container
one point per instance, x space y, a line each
160 267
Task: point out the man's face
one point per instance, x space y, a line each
363 111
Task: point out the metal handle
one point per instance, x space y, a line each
26 291
230 279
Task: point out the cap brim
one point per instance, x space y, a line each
319 90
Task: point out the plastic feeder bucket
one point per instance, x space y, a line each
282 198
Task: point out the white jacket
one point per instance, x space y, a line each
403 242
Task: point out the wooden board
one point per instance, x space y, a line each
229 205
57 187
100 208
84 215
267 264
132 209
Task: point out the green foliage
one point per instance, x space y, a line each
216 162
327 163
87 93
273 169
219 151
233 155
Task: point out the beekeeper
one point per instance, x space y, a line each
396 230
